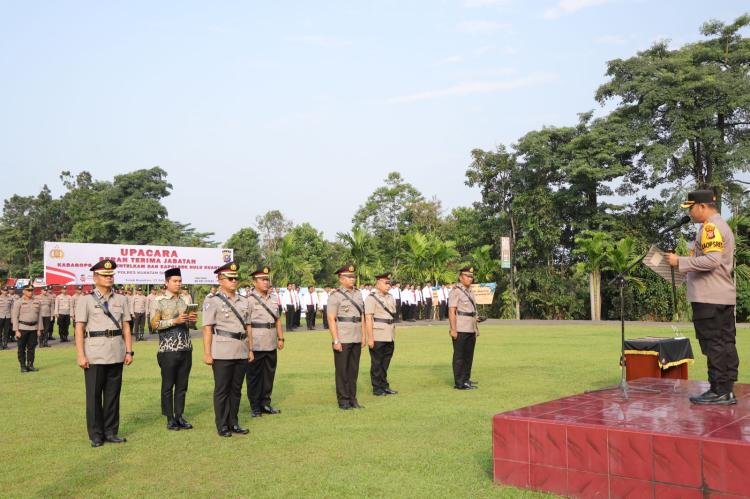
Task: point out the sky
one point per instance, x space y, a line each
303 106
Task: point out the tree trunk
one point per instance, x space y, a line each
595 296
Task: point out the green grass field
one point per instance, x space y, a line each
429 440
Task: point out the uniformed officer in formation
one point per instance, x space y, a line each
380 313
227 348
464 329
6 305
47 304
75 298
139 314
268 337
103 345
712 294
169 318
63 310
345 313
149 304
28 326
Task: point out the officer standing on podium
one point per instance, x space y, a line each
227 348
462 315
103 345
345 313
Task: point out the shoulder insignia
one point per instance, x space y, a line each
711 239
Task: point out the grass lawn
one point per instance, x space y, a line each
429 440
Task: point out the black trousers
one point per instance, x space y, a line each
347 370
26 348
290 317
405 311
103 384
47 326
380 359
4 331
428 309
260 375
413 312
325 316
228 378
310 316
398 310
148 324
139 321
63 323
463 357
716 333
443 310
175 373
297 317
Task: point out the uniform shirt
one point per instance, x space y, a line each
264 338
74 302
28 311
323 299
149 302
63 304
395 293
103 350
365 293
339 306
295 299
418 295
139 304
427 293
311 299
462 303
162 313
286 298
709 269
381 331
6 304
47 302
216 313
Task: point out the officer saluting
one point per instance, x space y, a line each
462 315
28 325
345 312
267 338
380 312
103 344
228 347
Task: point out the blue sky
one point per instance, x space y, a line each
303 106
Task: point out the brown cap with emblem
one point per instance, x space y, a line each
467 270
703 196
104 267
228 270
261 271
347 269
385 275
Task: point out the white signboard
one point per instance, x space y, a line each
69 263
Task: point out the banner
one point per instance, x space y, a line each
69 263
484 292
505 252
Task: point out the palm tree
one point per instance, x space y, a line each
287 266
427 258
363 252
594 245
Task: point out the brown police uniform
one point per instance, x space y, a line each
348 308
6 305
104 348
63 310
47 303
27 320
382 307
462 299
229 349
261 372
139 303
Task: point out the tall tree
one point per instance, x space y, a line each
246 248
362 252
272 226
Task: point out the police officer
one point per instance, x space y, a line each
268 336
345 313
103 345
28 325
380 313
47 303
169 318
63 307
149 304
462 315
139 313
6 305
227 348
712 294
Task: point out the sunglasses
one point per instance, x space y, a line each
231 278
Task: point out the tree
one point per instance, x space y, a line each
594 246
288 265
246 248
363 253
427 258
272 226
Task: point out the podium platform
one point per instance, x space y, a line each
650 445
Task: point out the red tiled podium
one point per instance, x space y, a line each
651 445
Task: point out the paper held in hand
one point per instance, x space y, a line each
657 261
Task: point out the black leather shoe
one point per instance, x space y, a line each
183 424
378 393
24 369
356 405
114 439
256 413
239 430
173 425
388 391
267 409
704 397
724 399
345 407
224 432
96 443
31 368
465 386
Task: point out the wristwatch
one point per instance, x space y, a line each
130 353
336 342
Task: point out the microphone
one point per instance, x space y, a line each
680 223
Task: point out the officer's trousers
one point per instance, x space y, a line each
463 357
175 373
380 359
346 363
310 316
289 317
103 384
260 375
715 330
27 348
228 377
139 322
4 331
63 323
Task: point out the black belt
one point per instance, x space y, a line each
349 319
387 321
110 333
236 336
467 314
465 332
28 323
263 325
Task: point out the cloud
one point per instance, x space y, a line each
481 27
320 41
569 6
476 87
485 3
